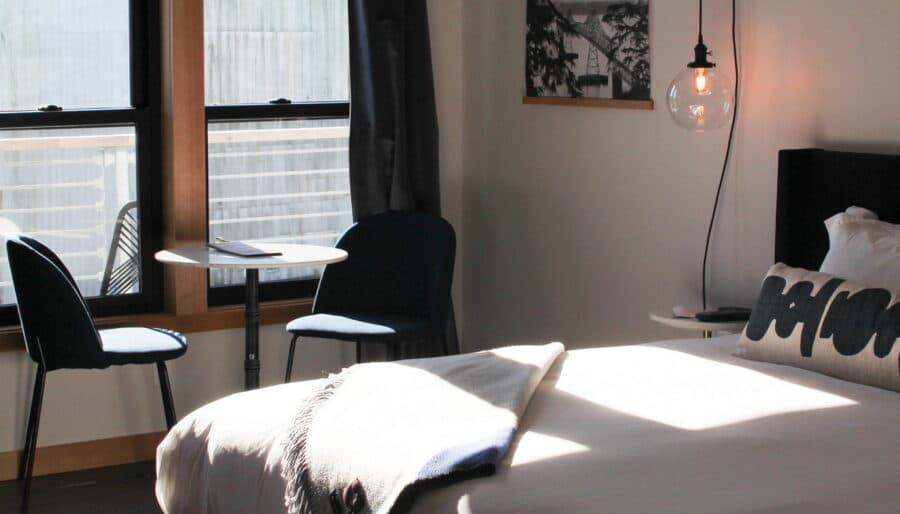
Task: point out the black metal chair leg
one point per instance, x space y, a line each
166 390
290 362
31 433
358 352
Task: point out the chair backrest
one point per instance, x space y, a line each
56 323
124 277
399 263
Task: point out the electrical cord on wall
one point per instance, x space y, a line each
737 85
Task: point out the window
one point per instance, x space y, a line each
79 136
277 93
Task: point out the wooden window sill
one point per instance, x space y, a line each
216 318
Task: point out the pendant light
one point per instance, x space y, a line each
700 98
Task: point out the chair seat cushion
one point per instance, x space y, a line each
138 345
359 326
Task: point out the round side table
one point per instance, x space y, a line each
292 255
706 327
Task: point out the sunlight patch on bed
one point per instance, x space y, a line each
685 391
535 446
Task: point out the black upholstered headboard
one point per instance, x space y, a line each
813 185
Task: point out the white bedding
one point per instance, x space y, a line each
676 426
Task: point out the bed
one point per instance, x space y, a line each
672 426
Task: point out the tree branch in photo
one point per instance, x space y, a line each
549 68
630 25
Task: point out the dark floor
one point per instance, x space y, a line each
124 489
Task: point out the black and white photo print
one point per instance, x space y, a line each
580 49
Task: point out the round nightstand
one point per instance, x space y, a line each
706 327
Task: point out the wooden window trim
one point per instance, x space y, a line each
217 318
183 150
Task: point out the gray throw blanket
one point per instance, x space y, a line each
374 435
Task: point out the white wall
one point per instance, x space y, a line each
446 46
89 405
579 221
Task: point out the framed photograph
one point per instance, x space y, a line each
593 53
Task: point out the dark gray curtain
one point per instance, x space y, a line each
393 120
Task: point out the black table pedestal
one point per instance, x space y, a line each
251 331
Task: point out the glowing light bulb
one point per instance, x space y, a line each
699 111
700 83
700 99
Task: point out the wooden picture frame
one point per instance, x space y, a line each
591 53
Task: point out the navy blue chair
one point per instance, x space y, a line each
393 288
59 333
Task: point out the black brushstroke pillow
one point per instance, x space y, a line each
823 323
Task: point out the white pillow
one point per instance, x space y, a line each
863 249
860 213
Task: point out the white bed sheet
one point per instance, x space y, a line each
675 426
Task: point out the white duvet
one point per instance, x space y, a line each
676 426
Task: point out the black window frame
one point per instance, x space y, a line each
145 116
272 111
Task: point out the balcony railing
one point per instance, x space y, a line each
281 184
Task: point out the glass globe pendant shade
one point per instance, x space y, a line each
700 99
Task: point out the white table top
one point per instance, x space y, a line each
695 324
292 256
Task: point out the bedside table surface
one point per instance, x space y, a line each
666 318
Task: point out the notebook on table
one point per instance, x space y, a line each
241 249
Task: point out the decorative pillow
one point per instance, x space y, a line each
863 249
823 323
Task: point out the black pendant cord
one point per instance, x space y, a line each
737 82
700 25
